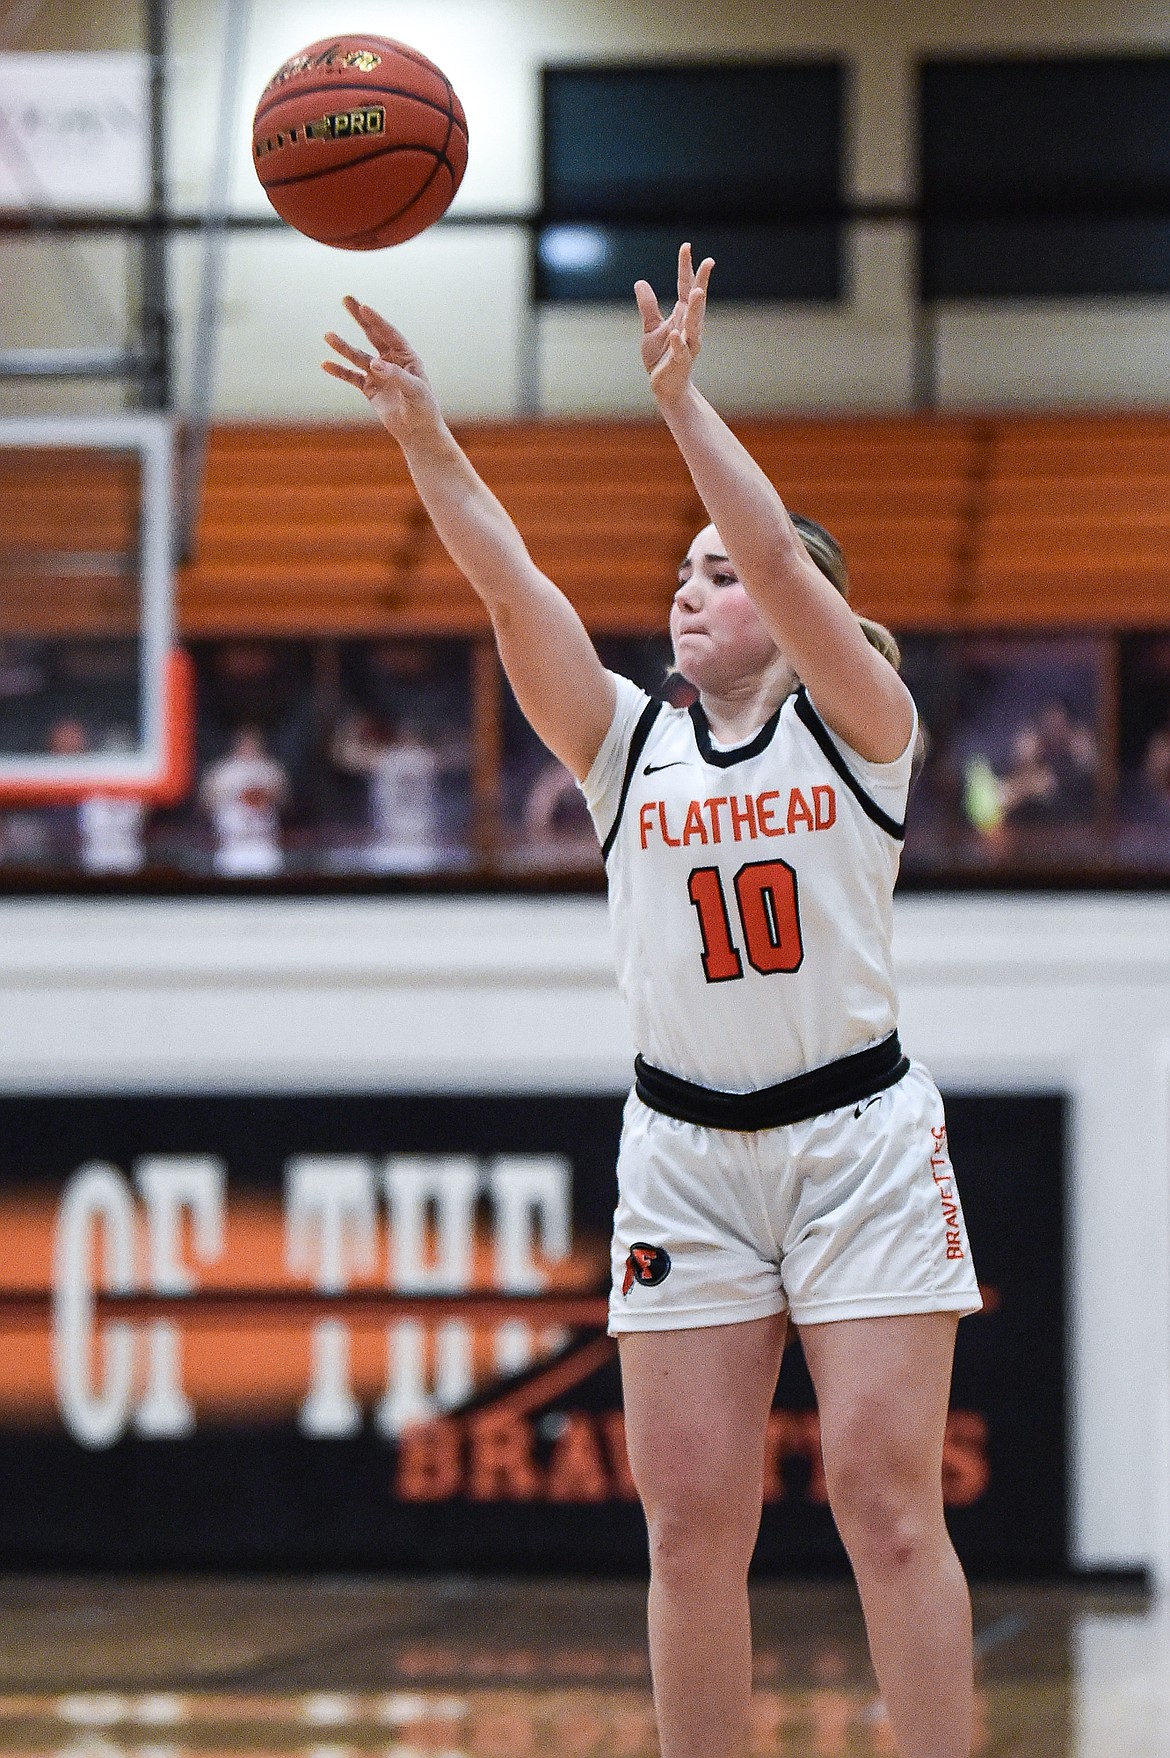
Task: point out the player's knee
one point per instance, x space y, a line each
889 1539
886 1518
694 1523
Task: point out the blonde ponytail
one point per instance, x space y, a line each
827 553
880 637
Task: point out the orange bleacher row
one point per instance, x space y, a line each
957 522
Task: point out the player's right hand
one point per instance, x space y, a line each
391 379
670 345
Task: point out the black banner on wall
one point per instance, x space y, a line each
354 1332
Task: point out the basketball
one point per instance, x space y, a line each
359 142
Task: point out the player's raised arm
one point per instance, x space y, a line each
560 683
858 693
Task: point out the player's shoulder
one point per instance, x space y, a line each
880 790
640 717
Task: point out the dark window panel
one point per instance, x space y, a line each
711 141
1045 177
1025 259
1090 127
600 263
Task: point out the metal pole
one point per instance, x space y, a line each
529 390
215 228
925 366
154 377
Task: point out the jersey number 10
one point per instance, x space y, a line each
769 913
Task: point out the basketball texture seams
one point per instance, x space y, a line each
434 153
351 145
354 94
354 241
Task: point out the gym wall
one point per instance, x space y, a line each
462 295
256 1033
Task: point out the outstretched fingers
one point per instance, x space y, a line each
692 324
686 273
335 370
695 309
356 356
647 306
690 277
358 371
390 343
674 341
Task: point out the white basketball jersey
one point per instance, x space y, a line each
750 889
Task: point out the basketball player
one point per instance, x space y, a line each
780 1158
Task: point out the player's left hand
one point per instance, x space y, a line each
392 379
670 345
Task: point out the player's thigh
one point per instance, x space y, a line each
883 1389
696 1411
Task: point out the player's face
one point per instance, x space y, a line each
719 640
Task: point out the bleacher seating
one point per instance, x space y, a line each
1075 523
1009 521
68 532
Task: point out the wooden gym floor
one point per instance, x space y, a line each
338 1668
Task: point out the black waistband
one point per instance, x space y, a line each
822 1089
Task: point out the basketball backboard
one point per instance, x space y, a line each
93 691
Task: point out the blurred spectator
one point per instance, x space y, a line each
111 827
107 828
110 834
1156 768
1051 776
26 838
1069 749
68 737
557 824
1029 787
402 772
266 685
243 794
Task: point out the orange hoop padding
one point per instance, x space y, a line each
175 776
178 768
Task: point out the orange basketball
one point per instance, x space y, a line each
359 142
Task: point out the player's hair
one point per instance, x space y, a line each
826 552
829 557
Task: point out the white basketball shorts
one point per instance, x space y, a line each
853 1214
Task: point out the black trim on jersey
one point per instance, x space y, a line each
638 739
739 753
820 732
843 1082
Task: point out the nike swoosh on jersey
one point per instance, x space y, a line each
653 768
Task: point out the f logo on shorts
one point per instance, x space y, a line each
646 1264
